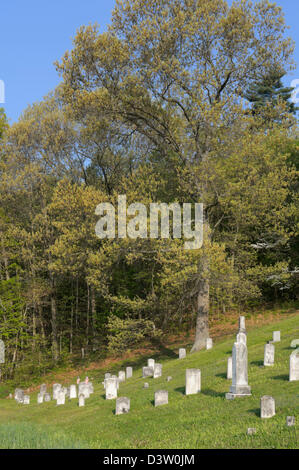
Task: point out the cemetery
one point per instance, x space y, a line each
228 387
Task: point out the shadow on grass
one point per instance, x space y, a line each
255 411
180 390
257 363
222 375
281 377
212 393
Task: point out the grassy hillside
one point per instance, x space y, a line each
206 420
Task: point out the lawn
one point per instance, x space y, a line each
205 420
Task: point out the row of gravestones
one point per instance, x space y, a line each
60 393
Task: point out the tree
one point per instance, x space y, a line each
173 73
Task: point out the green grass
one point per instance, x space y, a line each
205 420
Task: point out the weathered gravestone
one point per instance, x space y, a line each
147 371
47 397
2 352
182 353
40 398
295 344
157 370
169 378
122 376
161 397
91 389
209 343
73 391
111 388
276 336
239 385
251 431
26 400
294 365
267 407
122 405
242 326
241 337
193 381
290 421
84 389
56 389
19 395
229 373
145 385
269 354
60 400
129 372
43 389
151 363
81 400
107 375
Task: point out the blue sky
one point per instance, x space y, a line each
34 34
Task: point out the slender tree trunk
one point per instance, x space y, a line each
55 345
93 315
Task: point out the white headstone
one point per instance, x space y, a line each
157 370
19 395
73 391
122 376
47 397
81 400
60 400
84 389
267 407
209 343
295 344
269 354
229 374
242 326
241 337
129 372
43 389
111 388
147 371
193 381
26 400
122 405
182 353
40 398
239 385
151 363
56 389
107 375
276 336
145 385
161 397
294 365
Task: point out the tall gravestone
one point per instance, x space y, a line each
239 385
56 389
269 353
242 326
111 388
209 343
294 365
129 372
122 376
229 374
276 336
151 363
73 391
157 370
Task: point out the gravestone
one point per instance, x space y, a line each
239 385
56 389
241 337
290 421
47 397
157 370
122 405
295 344
2 352
229 373
276 336
209 343
40 398
251 431
151 363
81 400
294 365
161 397
169 378
117 380
122 376
269 353
19 395
73 391
60 400
147 371
242 326
111 388
90 387
145 385
267 407
182 353
43 389
193 381
26 400
129 372
107 375
84 389
67 395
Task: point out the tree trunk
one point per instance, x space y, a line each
54 322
